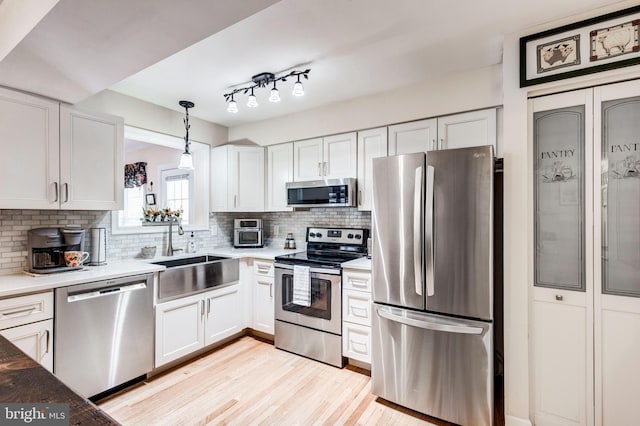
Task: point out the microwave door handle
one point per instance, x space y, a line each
417 230
429 233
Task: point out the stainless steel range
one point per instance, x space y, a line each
308 305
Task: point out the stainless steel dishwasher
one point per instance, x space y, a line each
104 333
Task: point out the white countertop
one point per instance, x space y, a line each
360 263
22 283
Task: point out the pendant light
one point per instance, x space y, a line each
233 106
186 160
252 102
275 95
298 90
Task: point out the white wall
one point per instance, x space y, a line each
466 91
518 211
152 117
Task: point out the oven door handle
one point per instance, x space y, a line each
320 271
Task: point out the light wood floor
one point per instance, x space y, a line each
250 382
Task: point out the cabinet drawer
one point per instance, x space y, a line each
263 268
356 307
356 280
26 309
356 342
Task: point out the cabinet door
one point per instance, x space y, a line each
416 136
279 172
219 177
35 340
475 128
371 144
617 258
307 160
91 161
263 307
246 178
224 314
29 164
179 328
339 156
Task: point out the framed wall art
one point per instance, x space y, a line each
594 45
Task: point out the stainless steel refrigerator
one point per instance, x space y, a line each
433 283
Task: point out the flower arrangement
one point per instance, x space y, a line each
161 215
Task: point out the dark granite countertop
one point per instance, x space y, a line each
22 380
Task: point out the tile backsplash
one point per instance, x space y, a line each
14 225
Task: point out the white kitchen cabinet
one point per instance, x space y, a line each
242 188
467 129
29 164
356 314
58 157
223 316
263 297
279 172
325 158
372 143
35 340
415 136
27 322
91 160
190 323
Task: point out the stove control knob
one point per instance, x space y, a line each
319 235
350 236
358 237
312 234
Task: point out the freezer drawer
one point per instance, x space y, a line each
436 365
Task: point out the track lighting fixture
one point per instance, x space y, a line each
263 80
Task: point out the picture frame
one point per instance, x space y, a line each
594 45
150 199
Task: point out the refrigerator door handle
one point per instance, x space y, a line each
429 233
417 230
428 325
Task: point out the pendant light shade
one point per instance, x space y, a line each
298 90
186 160
232 107
275 95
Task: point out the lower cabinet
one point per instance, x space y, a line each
27 322
190 323
263 297
356 315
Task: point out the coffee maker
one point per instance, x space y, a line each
46 247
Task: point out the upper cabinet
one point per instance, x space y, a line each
371 144
416 136
55 157
325 158
279 172
237 179
473 128
91 161
467 129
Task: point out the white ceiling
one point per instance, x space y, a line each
353 47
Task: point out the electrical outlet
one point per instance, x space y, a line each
275 230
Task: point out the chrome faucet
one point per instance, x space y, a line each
170 249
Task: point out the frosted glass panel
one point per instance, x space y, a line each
558 137
621 197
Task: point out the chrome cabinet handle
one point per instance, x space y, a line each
202 309
319 170
19 312
208 306
66 192
359 197
56 187
324 168
443 144
235 201
559 297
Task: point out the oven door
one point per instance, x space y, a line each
247 237
325 311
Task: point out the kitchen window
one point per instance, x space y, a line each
177 191
133 206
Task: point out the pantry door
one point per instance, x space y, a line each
617 253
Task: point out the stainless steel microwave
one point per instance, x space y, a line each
247 233
322 193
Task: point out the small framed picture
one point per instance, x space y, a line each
151 199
